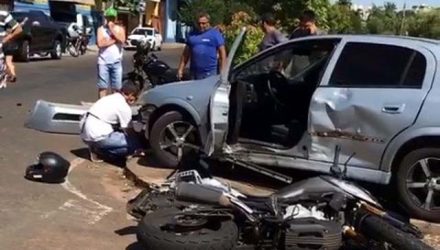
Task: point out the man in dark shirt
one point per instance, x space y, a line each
307 26
205 48
272 36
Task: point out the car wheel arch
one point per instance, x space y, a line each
168 108
415 143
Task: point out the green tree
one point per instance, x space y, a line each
342 19
424 24
219 10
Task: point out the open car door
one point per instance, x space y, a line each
219 103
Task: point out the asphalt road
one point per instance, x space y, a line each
88 210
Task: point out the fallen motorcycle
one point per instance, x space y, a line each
322 212
148 71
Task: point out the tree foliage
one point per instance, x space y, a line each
253 37
220 11
343 19
339 17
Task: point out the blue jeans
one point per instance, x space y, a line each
117 144
202 75
110 75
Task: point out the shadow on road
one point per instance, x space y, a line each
128 231
149 161
135 246
83 153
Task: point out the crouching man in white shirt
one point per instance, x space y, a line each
103 127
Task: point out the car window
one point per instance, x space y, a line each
19 16
292 60
40 17
378 65
148 32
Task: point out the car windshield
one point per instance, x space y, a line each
19 16
146 32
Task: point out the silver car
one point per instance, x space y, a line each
289 106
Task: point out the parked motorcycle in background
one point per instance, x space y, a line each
148 70
77 41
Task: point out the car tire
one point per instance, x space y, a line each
57 51
418 183
168 148
24 51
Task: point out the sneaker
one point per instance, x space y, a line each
94 157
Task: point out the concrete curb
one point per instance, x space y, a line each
427 227
136 173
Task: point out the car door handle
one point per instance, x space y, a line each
393 108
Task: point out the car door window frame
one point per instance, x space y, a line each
286 47
431 63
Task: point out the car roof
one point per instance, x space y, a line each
378 38
143 28
369 38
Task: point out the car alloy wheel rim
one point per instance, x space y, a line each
179 138
58 49
27 51
423 183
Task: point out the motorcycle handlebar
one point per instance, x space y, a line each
200 193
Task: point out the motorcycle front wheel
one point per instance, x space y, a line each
380 231
73 50
162 230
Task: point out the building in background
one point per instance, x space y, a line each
160 14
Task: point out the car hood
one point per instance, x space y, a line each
138 37
195 92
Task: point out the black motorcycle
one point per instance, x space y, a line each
148 71
77 43
317 213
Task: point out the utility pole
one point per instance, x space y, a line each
141 10
402 25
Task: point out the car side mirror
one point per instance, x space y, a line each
35 23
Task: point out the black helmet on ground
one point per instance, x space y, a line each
50 167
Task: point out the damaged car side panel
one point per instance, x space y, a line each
348 111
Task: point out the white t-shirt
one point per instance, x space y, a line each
111 109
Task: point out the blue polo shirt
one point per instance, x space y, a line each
204 46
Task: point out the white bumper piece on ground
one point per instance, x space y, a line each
59 117
56 117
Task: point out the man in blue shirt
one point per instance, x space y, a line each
205 48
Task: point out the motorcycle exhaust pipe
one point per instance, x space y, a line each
202 194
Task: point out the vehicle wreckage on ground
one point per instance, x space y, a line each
288 106
324 212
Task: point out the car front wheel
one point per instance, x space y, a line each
173 136
57 51
418 183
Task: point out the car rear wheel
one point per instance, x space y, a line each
418 183
172 137
57 51
24 51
